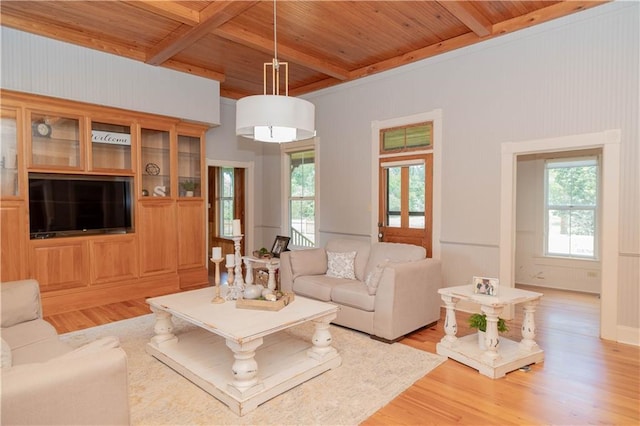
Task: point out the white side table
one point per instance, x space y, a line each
502 355
271 265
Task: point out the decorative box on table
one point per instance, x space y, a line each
266 305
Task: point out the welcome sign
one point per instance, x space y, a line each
111 138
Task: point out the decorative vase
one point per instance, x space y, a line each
252 291
189 193
481 342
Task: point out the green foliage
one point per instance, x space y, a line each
479 321
416 188
573 187
189 185
303 175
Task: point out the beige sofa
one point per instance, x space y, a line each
47 382
392 289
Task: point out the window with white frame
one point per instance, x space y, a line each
301 191
226 191
571 207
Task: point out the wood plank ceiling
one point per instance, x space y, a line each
325 42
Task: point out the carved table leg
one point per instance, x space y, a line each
529 327
245 368
322 339
248 278
163 328
450 324
491 337
271 283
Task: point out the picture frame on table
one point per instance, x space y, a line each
279 245
485 285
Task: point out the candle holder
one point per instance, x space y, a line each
235 290
229 275
217 298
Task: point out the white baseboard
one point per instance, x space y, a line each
628 335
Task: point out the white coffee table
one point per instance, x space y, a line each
238 355
502 355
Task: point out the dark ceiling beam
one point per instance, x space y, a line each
210 17
246 38
469 16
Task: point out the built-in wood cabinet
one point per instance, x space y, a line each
158 236
159 158
13 242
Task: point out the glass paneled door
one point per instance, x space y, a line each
406 188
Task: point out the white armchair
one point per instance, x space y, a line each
45 381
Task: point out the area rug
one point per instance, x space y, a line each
372 374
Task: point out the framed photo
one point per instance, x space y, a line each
279 245
488 286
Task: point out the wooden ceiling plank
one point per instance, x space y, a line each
67 35
466 13
211 17
545 14
541 15
169 9
242 36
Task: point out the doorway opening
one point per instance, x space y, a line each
609 144
229 195
558 223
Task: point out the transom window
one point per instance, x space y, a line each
571 206
406 138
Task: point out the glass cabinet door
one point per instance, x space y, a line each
110 146
55 141
155 160
9 154
189 178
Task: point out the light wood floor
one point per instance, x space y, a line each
583 379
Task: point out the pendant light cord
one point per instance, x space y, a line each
275 36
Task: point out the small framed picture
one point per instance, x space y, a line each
280 245
483 285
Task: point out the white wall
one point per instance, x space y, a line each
531 267
223 145
43 66
570 76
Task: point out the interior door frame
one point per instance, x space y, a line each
609 142
434 116
249 167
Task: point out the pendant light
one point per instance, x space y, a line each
275 117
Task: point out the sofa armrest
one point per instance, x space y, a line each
407 298
285 272
20 302
86 389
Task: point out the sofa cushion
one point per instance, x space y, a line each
33 341
381 253
341 264
362 248
5 359
373 278
20 302
354 294
308 262
317 287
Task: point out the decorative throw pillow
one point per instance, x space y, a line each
341 265
6 360
373 278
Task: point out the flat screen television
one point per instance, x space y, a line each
66 205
